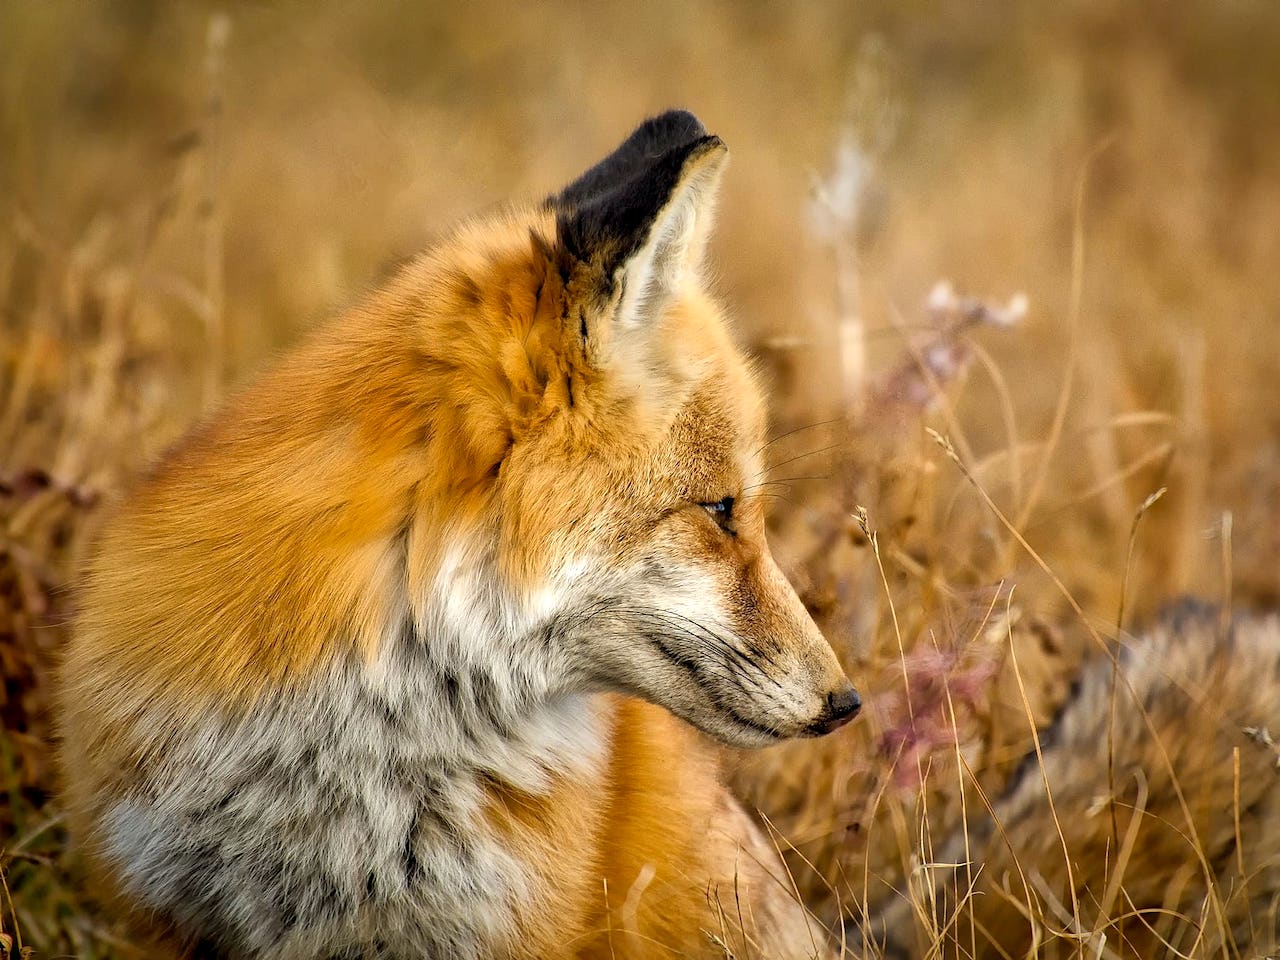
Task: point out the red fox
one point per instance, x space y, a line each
382 659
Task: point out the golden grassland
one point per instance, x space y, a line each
184 189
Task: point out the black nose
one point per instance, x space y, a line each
842 706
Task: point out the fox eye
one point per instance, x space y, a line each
722 513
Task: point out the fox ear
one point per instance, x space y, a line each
653 138
641 217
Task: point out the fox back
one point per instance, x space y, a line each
382 659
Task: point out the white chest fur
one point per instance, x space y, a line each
344 819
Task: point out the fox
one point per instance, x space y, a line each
1146 822
426 644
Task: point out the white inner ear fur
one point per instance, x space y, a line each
673 252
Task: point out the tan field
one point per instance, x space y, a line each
977 486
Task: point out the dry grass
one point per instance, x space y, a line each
184 189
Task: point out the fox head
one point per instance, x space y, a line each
616 438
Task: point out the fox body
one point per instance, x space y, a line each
386 658
1163 783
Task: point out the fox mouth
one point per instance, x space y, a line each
771 733
832 719
840 709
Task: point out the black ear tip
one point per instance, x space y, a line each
708 144
674 127
653 139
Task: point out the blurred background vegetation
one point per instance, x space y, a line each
187 187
